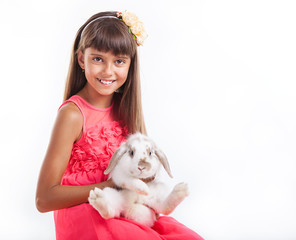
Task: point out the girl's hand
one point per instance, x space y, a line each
110 183
102 185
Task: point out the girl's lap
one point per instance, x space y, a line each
84 221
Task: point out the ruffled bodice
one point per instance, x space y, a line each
92 152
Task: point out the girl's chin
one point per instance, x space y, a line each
106 92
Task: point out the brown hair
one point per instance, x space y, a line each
110 34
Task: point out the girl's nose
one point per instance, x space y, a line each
108 69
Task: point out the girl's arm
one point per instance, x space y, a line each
51 195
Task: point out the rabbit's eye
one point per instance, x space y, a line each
150 153
132 153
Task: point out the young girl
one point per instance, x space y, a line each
102 105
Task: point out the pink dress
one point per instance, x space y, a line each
89 158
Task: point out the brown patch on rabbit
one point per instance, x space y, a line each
149 152
143 164
132 151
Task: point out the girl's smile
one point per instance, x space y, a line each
106 82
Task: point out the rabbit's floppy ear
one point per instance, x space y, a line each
164 161
115 158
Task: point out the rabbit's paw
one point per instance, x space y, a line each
140 188
98 200
136 185
181 190
178 194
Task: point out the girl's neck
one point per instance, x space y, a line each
94 98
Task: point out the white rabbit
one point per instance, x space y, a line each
134 168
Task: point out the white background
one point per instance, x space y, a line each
218 82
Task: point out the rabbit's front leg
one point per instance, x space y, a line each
135 185
178 194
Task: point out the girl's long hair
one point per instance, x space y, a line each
110 34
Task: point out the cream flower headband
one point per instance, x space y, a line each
135 26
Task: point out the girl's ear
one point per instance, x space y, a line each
80 58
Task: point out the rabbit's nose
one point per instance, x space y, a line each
141 168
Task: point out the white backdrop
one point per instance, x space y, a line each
218 82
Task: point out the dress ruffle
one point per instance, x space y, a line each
94 150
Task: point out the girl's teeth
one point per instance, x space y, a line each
106 82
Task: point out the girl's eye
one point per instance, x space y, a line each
120 61
98 59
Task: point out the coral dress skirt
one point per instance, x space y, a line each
89 158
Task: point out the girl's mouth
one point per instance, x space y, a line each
106 82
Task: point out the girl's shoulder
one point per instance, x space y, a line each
71 113
69 123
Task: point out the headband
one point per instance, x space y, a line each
135 26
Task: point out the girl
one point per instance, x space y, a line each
102 104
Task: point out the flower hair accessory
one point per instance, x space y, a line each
135 26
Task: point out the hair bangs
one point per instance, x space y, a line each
111 35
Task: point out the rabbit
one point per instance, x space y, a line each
140 196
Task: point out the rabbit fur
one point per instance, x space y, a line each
134 168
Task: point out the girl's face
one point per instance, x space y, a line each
104 72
